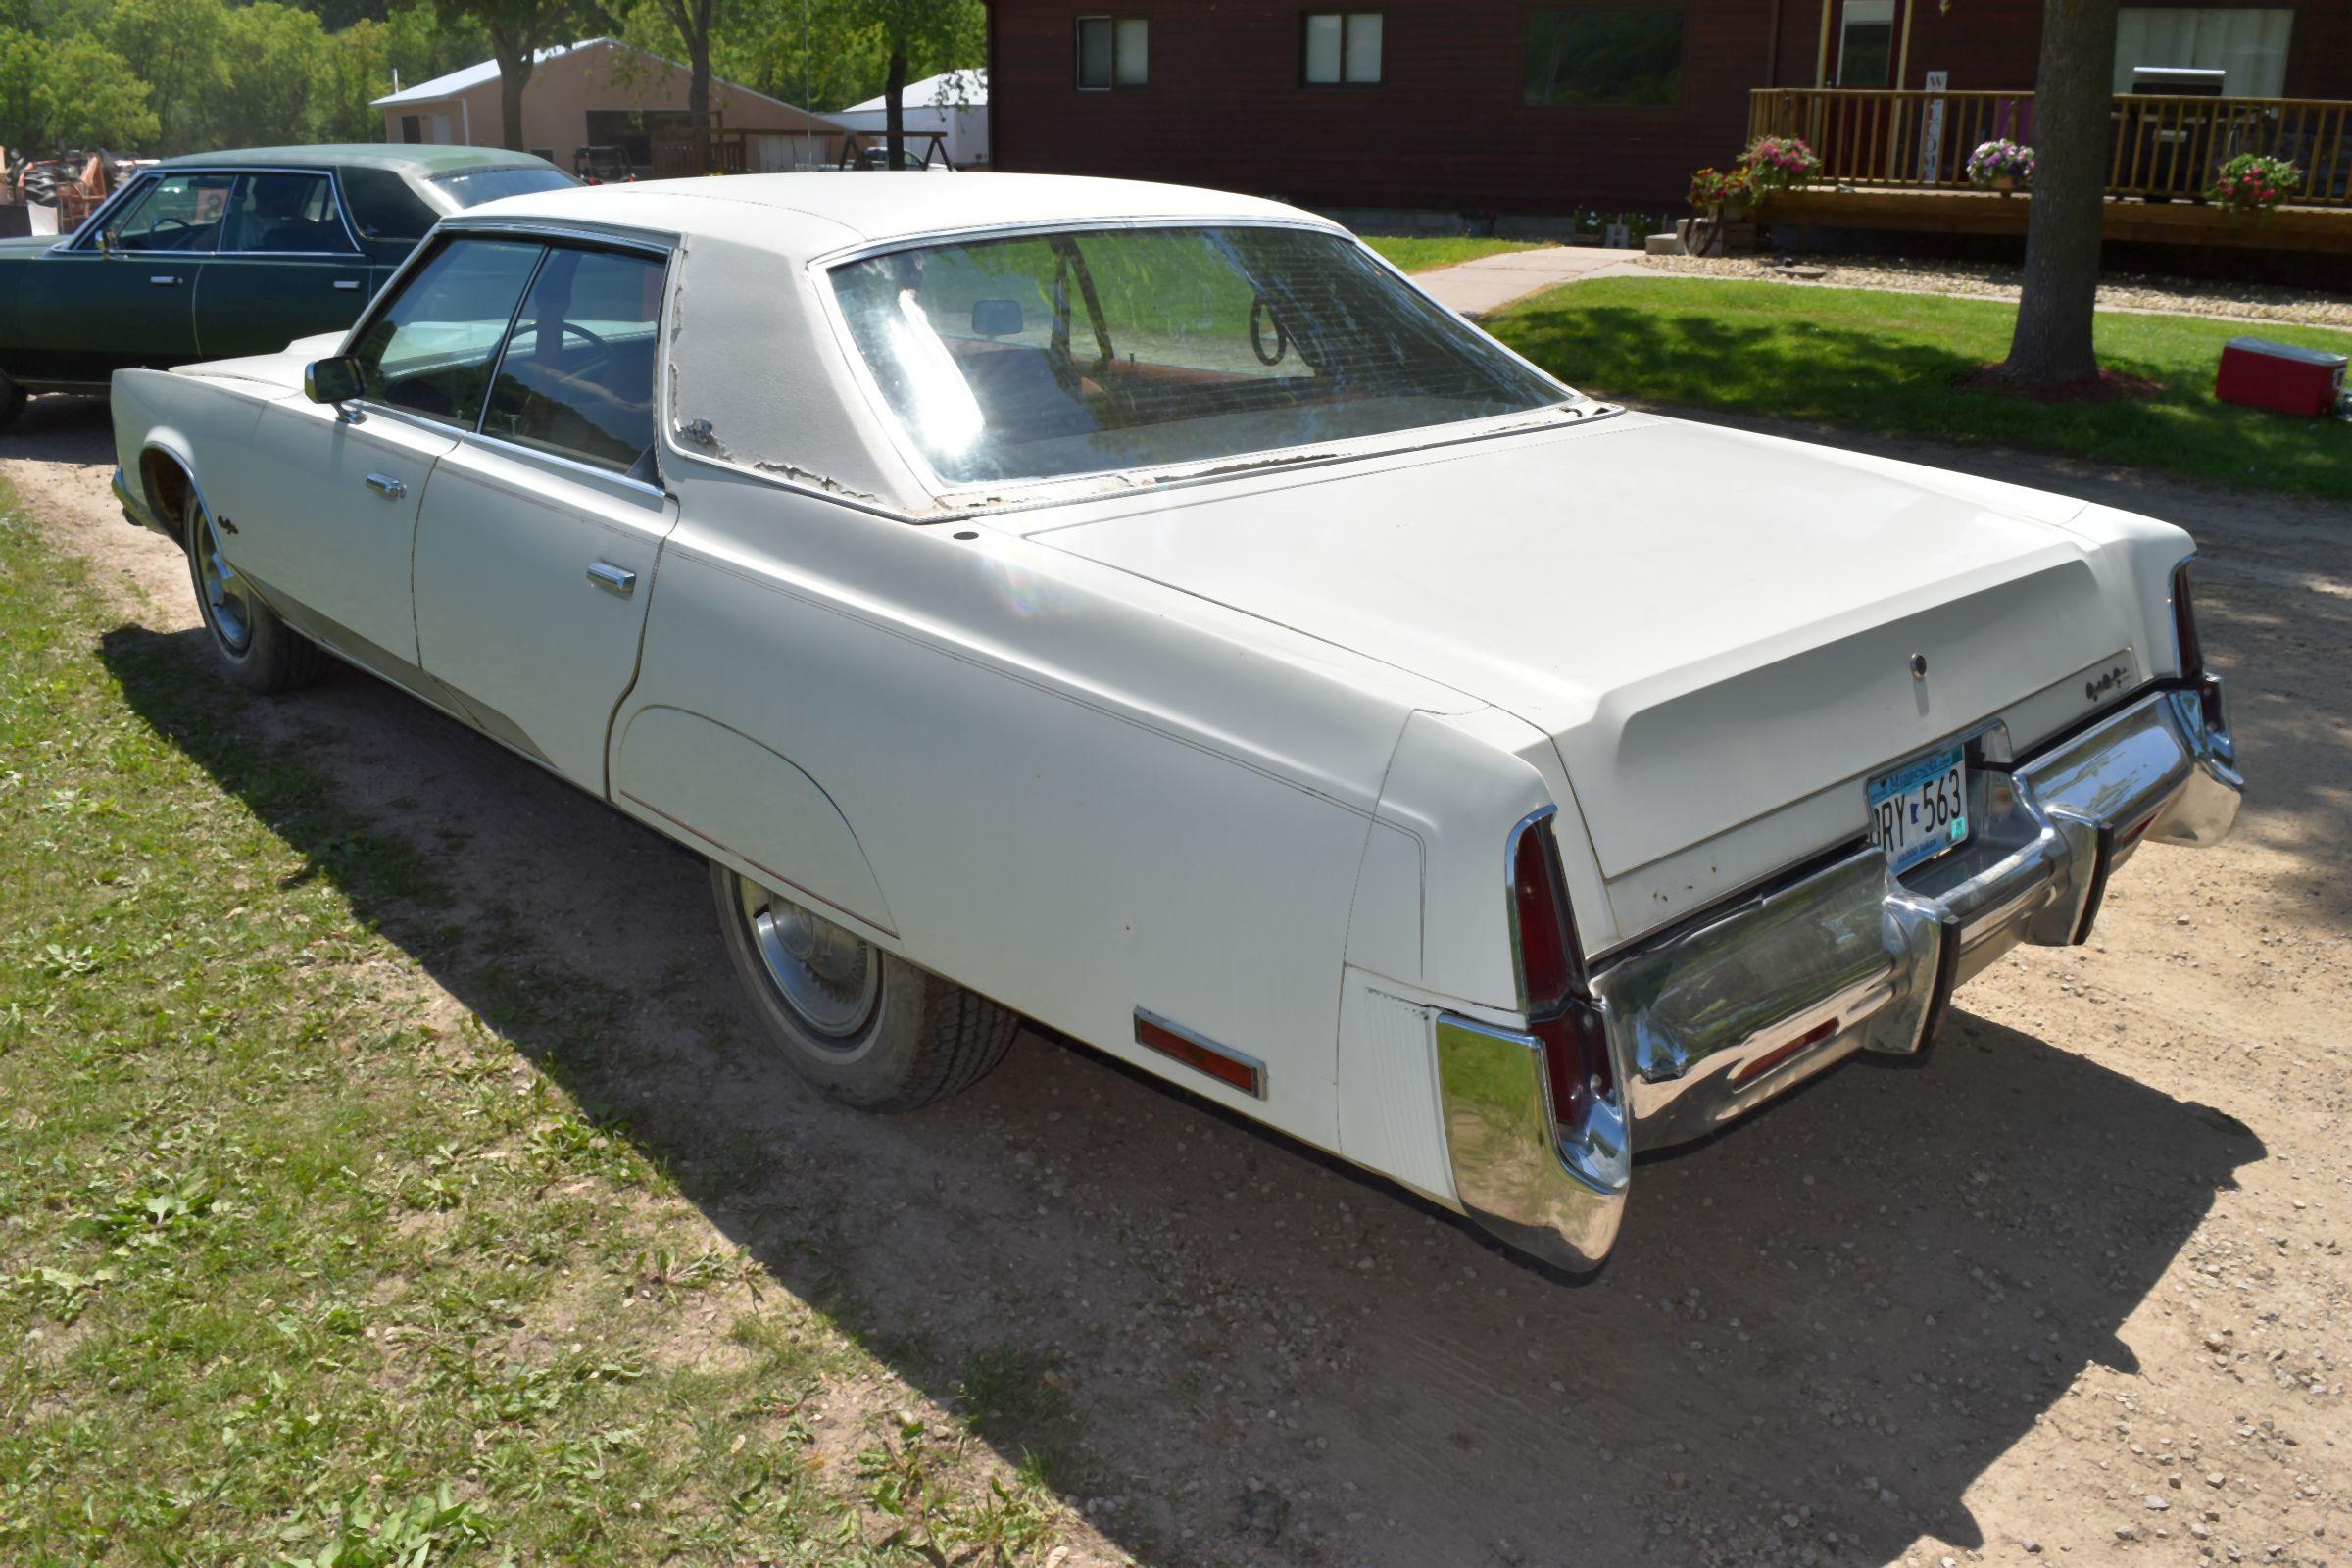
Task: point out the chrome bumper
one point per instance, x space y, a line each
1710 1021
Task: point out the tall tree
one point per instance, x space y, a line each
696 21
517 29
933 33
175 47
2071 146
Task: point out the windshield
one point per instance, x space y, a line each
1041 356
470 187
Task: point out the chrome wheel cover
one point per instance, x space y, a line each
829 977
227 604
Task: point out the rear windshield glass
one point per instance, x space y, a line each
1041 356
471 187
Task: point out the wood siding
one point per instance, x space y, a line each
1448 128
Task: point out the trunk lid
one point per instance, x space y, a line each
1710 625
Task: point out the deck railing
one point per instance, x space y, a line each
2163 146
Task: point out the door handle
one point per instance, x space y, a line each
165 280
350 283
613 579
384 484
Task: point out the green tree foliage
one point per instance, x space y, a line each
168 77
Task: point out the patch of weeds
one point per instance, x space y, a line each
1006 1385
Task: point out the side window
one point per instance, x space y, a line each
577 379
430 349
383 206
1113 52
284 214
179 213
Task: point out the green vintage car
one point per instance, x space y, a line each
215 255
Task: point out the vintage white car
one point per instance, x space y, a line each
1144 611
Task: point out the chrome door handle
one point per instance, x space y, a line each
384 484
351 283
165 280
613 579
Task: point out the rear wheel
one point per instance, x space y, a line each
255 648
865 1026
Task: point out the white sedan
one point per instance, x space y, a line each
1143 611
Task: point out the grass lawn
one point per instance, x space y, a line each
1417 252
1887 361
297 1265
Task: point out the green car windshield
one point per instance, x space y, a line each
1041 356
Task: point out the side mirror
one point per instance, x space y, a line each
335 381
104 244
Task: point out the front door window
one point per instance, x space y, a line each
432 348
179 213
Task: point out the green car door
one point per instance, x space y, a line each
288 266
125 295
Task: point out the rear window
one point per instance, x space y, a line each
470 187
383 206
1051 355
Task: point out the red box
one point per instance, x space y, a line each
2279 375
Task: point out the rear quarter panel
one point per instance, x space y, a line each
1077 794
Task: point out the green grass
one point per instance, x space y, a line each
1889 361
296 1267
1417 253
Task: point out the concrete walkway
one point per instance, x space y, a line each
1490 282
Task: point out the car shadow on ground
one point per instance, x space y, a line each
1818 1335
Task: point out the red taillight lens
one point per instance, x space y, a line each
1544 972
1575 1043
2184 625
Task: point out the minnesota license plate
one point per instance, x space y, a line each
1920 810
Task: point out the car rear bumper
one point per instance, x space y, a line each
1711 1020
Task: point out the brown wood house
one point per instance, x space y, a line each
1538 106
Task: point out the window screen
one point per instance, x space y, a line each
1342 48
1114 53
2249 46
577 379
429 351
1604 56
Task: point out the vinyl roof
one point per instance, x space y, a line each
803 215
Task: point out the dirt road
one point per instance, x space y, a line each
2077 1290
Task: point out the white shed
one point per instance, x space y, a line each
953 104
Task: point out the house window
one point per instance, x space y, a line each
1604 55
1114 53
1342 48
411 129
1866 43
2248 46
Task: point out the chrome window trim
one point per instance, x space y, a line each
1020 494
587 470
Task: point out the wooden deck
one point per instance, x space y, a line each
2326 231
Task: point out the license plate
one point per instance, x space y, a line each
1920 809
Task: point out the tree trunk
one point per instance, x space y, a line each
2073 142
698 85
514 64
894 123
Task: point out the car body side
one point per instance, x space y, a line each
1087 794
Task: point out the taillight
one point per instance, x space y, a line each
2184 625
2192 652
1560 1013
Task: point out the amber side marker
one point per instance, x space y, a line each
1222 1063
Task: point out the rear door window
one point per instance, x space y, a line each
284 214
431 350
577 376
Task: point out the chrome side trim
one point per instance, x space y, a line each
1558 1200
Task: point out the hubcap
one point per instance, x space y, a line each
830 977
224 594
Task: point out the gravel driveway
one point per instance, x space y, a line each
2076 1291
